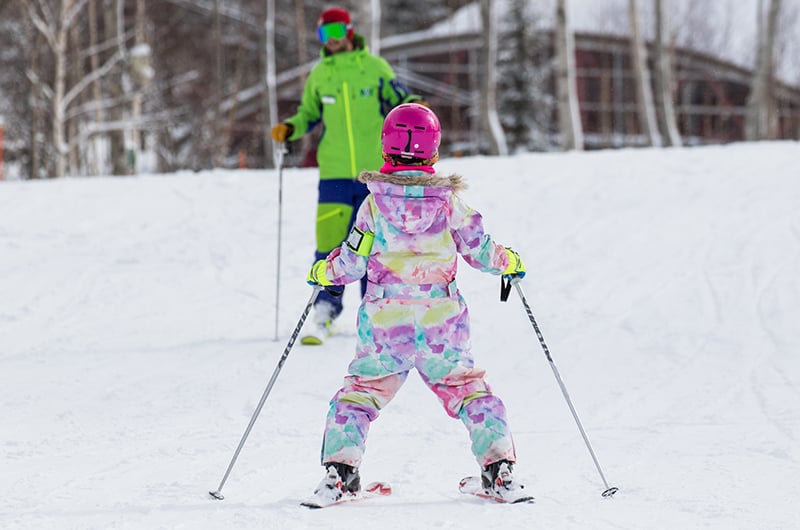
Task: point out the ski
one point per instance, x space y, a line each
322 336
474 486
318 336
311 340
373 489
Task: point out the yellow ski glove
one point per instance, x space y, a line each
316 276
515 266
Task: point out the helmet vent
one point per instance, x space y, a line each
411 132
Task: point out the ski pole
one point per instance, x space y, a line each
279 149
217 494
609 491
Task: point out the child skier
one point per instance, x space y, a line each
406 239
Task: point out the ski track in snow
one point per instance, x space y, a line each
136 338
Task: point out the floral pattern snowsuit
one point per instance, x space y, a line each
412 315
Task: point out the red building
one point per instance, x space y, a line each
710 94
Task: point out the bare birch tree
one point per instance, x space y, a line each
38 88
664 99
54 27
94 61
759 124
142 75
55 23
302 57
117 91
641 73
569 118
270 81
217 149
368 17
490 122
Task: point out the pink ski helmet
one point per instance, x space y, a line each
411 131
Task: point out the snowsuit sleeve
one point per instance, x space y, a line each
309 113
477 247
392 91
345 265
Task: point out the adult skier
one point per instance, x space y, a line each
349 91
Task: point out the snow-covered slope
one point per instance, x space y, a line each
137 335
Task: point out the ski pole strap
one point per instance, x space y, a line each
505 288
334 290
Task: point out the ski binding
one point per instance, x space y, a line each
372 490
474 486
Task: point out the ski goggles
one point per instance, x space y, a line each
332 30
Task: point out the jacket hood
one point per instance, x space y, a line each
455 182
412 204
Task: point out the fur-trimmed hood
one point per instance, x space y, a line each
413 204
438 181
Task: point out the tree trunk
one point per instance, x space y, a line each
270 81
230 119
141 73
375 25
663 79
302 58
641 73
568 111
36 90
74 156
367 19
217 150
490 123
119 163
760 101
59 87
94 61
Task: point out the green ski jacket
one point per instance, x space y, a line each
349 93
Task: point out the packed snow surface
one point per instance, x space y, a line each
138 332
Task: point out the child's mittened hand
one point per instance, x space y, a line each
316 276
515 269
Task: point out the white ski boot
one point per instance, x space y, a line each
498 481
321 324
339 483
